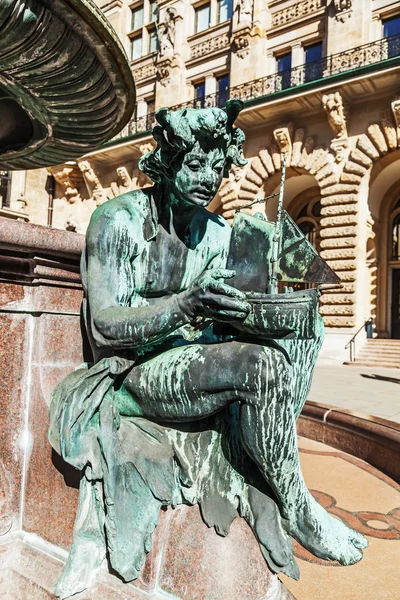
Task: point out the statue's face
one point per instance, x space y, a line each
199 175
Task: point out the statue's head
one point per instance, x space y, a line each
195 149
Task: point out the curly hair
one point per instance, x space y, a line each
179 130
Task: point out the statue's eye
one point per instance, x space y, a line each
194 166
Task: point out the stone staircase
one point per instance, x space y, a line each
378 352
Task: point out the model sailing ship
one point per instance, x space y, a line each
265 255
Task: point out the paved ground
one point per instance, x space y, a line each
371 390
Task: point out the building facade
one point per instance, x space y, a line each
320 80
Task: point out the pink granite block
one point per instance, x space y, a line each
13 359
51 492
198 563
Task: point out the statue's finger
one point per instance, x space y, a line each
222 288
228 303
222 273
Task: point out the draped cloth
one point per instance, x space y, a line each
131 467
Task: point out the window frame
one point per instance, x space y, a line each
144 31
197 7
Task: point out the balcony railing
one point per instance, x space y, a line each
137 125
342 62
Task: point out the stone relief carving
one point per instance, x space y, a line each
241 45
166 33
123 184
93 185
343 9
145 71
282 136
209 46
396 114
72 224
335 110
70 180
296 11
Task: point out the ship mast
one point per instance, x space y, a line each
276 243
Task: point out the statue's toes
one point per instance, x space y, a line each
359 540
350 556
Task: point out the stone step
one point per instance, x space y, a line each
377 352
373 363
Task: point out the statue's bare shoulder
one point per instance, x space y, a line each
118 224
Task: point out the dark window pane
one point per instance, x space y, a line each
199 94
313 68
313 52
284 64
223 90
391 26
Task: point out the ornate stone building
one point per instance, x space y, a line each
320 79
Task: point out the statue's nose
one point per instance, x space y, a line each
206 179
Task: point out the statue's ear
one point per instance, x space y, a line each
232 109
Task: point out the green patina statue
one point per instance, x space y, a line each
196 385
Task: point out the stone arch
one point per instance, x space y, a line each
303 156
340 210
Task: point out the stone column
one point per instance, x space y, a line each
297 54
211 84
141 108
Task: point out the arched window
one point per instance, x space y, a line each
396 232
308 221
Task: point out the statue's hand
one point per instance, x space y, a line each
210 297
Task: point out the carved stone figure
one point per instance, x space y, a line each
94 187
396 114
193 392
283 139
166 33
124 183
343 9
333 105
69 181
244 9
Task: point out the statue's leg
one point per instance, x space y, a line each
196 381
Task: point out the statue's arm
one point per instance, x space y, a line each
114 246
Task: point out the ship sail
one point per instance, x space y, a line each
251 250
298 261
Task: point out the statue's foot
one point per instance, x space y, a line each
324 536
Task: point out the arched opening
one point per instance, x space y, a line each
308 219
394 267
384 205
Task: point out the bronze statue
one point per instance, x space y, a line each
195 385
